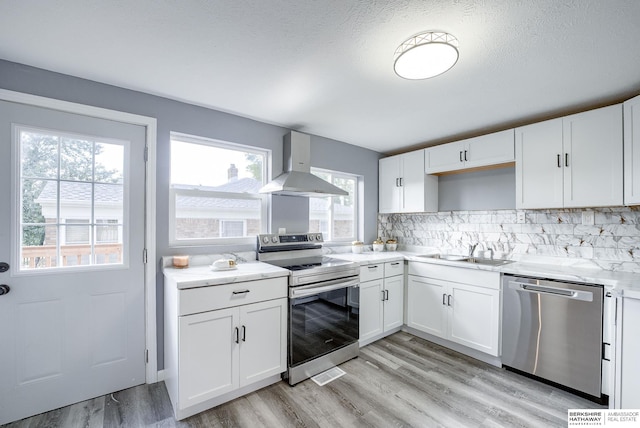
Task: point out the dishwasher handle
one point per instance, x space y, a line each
568 293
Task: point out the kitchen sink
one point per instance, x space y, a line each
476 260
491 262
449 257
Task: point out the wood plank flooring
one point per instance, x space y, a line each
399 381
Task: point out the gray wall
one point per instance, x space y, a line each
289 212
493 189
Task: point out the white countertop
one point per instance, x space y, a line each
576 270
202 276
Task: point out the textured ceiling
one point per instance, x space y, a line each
325 66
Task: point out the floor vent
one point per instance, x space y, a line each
326 377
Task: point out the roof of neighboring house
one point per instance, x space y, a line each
79 192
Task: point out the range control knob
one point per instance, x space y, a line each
319 237
310 237
265 239
274 239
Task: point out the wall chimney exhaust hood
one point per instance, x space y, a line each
297 179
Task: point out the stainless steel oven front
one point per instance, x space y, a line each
323 326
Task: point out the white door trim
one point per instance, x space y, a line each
150 124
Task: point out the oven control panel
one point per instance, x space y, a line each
298 240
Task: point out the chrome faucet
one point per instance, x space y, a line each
472 249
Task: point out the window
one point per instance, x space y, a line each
214 191
336 216
68 184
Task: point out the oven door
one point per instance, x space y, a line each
323 317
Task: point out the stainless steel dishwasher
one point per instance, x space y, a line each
553 330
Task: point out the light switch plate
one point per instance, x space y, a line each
521 217
588 218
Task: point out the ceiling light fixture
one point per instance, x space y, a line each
425 55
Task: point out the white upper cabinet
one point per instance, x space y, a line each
491 149
574 161
403 185
632 151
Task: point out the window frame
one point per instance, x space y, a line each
357 205
198 192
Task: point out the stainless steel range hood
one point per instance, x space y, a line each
297 179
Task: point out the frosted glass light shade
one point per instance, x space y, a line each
426 55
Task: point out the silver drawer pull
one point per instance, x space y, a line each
373 267
241 291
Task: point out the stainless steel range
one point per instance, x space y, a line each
323 303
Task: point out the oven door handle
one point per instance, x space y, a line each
310 290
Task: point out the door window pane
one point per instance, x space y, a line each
72 204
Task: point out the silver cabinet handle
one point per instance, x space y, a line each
566 159
444 299
395 263
559 164
465 155
449 300
460 155
383 298
244 333
240 291
372 267
237 335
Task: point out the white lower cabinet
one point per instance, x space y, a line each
217 355
627 378
381 300
464 313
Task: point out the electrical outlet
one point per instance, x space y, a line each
282 230
521 217
588 218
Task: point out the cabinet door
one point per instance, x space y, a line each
394 303
388 190
593 173
413 178
628 355
491 149
425 308
474 317
208 356
632 151
539 165
446 157
263 340
370 309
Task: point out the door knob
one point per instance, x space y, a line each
4 289
4 267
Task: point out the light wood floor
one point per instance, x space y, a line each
399 381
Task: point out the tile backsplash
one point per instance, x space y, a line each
612 243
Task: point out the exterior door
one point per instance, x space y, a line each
72 326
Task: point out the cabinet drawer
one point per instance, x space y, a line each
195 300
480 278
371 272
394 268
